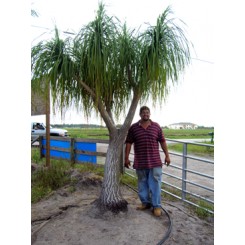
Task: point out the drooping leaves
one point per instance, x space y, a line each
106 63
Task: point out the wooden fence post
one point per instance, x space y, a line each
72 151
41 146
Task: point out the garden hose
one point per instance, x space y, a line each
166 236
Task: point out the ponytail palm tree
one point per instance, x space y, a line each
108 68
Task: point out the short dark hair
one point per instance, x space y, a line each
144 108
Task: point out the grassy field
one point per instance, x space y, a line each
194 149
88 133
102 133
203 133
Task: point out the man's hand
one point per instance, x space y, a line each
127 163
167 160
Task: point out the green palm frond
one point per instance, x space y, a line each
165 55
106 63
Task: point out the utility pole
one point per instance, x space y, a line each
47 124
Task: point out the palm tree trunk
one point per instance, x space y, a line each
111 197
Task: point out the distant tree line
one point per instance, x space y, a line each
100 126
77 126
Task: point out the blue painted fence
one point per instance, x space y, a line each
57 149
72 149
85 146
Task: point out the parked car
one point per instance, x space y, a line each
39 129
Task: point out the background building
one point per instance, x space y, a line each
182 125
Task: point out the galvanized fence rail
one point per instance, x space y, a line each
189 178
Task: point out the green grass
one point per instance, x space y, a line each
89 167
193 149
88 133
202 212
35 155
201 133
102 133
45 180
126 179
172 190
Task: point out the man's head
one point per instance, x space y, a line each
145 113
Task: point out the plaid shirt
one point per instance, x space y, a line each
146 145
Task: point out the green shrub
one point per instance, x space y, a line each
38 192
44 180
201 211
90 167
35 155
126 179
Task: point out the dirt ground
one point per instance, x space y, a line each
69 217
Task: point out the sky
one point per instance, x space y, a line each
192 100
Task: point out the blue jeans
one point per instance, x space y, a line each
149 186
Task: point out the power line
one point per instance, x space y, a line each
41 27
50 31
202 60
66 32
38 36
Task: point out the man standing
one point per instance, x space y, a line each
146 136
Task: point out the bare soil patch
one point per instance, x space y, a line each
69 217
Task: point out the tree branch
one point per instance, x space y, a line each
104 114
131 112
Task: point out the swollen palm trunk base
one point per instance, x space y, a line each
113 206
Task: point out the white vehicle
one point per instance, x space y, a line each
39 129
